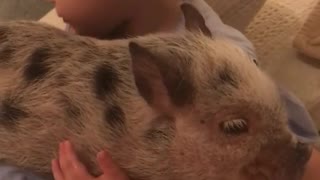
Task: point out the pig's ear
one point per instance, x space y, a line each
194 21
163 86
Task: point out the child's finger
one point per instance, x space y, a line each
71 167
109 169
56 171
105 162
64 163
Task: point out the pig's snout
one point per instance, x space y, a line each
303 152
296 161
280 162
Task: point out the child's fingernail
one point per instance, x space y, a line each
53 161
67 144
100 154
104 156
68 147
61 145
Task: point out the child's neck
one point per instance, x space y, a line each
161 16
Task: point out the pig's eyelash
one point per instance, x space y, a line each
236 126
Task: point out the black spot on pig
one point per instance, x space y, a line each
161 130
225 77
161 138
6 52
11 113
115 118
106 79
155 135
37 66
73 111
3 34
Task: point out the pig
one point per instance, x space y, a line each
166 106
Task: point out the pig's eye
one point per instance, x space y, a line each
234 127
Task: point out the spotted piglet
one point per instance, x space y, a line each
166 106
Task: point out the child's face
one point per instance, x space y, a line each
93 17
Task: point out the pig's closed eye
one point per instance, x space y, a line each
234 127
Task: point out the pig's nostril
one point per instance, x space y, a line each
302 146
304 151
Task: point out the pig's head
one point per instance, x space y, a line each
221 117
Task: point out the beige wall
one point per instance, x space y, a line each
23 9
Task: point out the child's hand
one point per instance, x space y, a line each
68 167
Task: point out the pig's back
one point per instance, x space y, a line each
61 87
